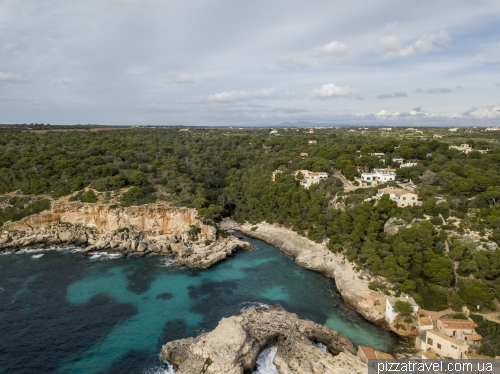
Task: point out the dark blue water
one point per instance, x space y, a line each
62 312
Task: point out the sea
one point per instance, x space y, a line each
64 312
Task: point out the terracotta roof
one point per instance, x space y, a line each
383 356
368 352
425 321
461 324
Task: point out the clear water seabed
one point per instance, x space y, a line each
63 312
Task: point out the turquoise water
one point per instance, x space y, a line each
67 313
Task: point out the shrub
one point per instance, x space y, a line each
403 308
88 197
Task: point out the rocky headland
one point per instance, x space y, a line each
234 345
351 284
139 230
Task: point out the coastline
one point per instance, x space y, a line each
352 285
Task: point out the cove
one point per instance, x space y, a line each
62 312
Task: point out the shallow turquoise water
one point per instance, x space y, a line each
67 313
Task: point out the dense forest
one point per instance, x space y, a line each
444 254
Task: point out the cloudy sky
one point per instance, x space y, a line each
221 62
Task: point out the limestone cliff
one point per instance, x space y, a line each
234 345
140 230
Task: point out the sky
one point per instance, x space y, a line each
221 62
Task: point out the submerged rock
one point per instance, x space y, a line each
234 345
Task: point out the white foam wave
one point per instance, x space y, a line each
168 262
2 290
58 249
321 346
254 304
163 369
5 253
37 256
264 363
104 256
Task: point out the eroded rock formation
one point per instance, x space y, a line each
135 230
234 345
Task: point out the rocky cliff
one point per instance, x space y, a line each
135 230
352 285
234 345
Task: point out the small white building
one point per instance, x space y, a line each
400 196
390 313
310 177
408 165
464 148
398 160
378 176
453 129
425 323
313 142
496 128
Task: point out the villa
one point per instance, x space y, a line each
401 197
310 177
378 176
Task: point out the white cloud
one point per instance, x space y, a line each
332 91
180 79
233 96
335 48
491 112
427 43
293 62
392 46
6 78
400 94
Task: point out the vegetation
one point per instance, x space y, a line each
227 172
490 331
403 308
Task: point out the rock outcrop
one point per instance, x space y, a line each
234 345
135 230
352 285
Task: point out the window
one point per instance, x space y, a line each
438 345
429 341
404 198
367 178
413 198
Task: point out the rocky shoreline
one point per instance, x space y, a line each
234 345
351 284
143 230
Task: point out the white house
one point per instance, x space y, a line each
378 176
310 177
408 165
390 313
400 196
313 142
398 160
464 148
